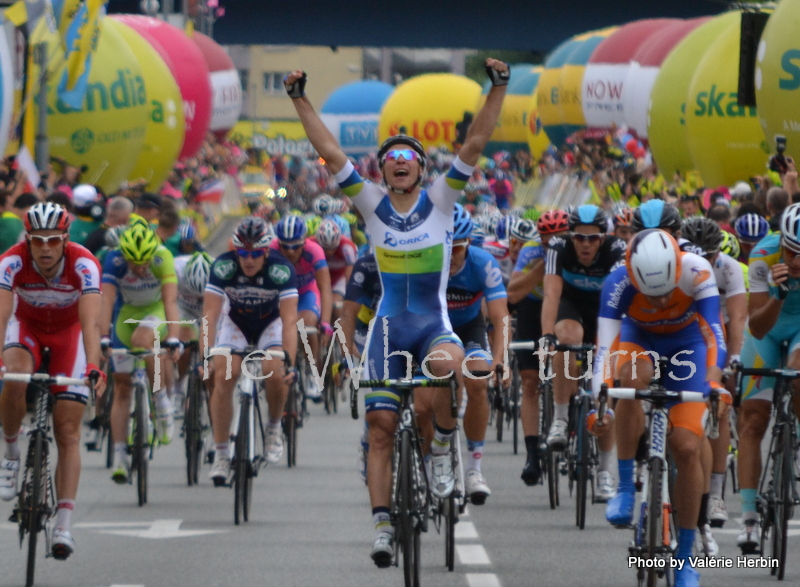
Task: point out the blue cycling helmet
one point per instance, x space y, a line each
504 227
478 237
588 215
656 214
462 223
751 228
291 229
187 231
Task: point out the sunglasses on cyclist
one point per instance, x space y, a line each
291 247
251 253
407 154
51 241
463 244
590 238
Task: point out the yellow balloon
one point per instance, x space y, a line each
778 76
429 106
666 128
550 96
511 132
725 140
538 141
107 132
165 126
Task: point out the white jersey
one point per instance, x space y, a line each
730 281
190 304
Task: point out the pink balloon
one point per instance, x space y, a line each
226 87
631 145
188 67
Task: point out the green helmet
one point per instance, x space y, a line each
138 244
312 224
531 214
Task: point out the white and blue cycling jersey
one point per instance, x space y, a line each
480 278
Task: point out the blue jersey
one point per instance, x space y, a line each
479 278
528 255
364 287
254 301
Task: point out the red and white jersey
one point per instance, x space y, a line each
343 257
49 305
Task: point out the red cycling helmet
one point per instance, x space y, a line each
553 221
623 218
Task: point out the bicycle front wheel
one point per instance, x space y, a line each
141 443
36 500
656 521
193 427
582 463
782 481
242 480
290 424
516 396
405 497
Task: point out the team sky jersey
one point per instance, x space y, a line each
730 281
579 280
254 301
189 302
696 299
479 278
339 260
49 305
763 256
412 249
139 291
528 255
312 260
364 287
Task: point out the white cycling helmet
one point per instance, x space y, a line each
197 272
328 235
653 261
790 227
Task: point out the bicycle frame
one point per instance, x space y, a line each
250 388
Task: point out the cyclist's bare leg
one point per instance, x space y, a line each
567 332
477 414
186 333
277 390
443 368
794 363
753 421
221 403
706 461
423 409
12 399
629 413
686 448
382 426
310 319
67 417
720 445
121 408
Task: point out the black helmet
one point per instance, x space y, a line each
703 232
402 139
656 214
588 215
252 233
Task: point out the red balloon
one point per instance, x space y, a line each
631 145
640 153
188 67
226 87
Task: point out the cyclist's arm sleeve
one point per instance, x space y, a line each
554 260
493 287
706 296
216 284
164 266
114 267
289 289
446 189
527 256
735 285
88 271
365 195
10 266
615 297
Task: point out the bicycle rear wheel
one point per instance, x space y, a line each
551 457
141 443
36 500
193 428
105 420
242 480
655 520
516 395
500 411
582 462
290 425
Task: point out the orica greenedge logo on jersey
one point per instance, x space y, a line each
393 241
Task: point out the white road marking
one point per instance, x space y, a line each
465 530
482 580
157 529
472 554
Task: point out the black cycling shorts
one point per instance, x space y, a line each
583 311
529 327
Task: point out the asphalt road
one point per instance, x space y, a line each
311 526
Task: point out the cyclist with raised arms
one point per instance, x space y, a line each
260 287
774 309
142 273
313 286
662 302
411 230
64 319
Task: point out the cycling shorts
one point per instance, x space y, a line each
67 355
686 369
152 316
230 336
529 327
310 300
187 313
475 339
584 312
766 353
408 333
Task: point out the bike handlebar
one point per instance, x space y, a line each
44 378
656 395
136 353
222 351
413 382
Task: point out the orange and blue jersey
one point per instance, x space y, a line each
689 325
